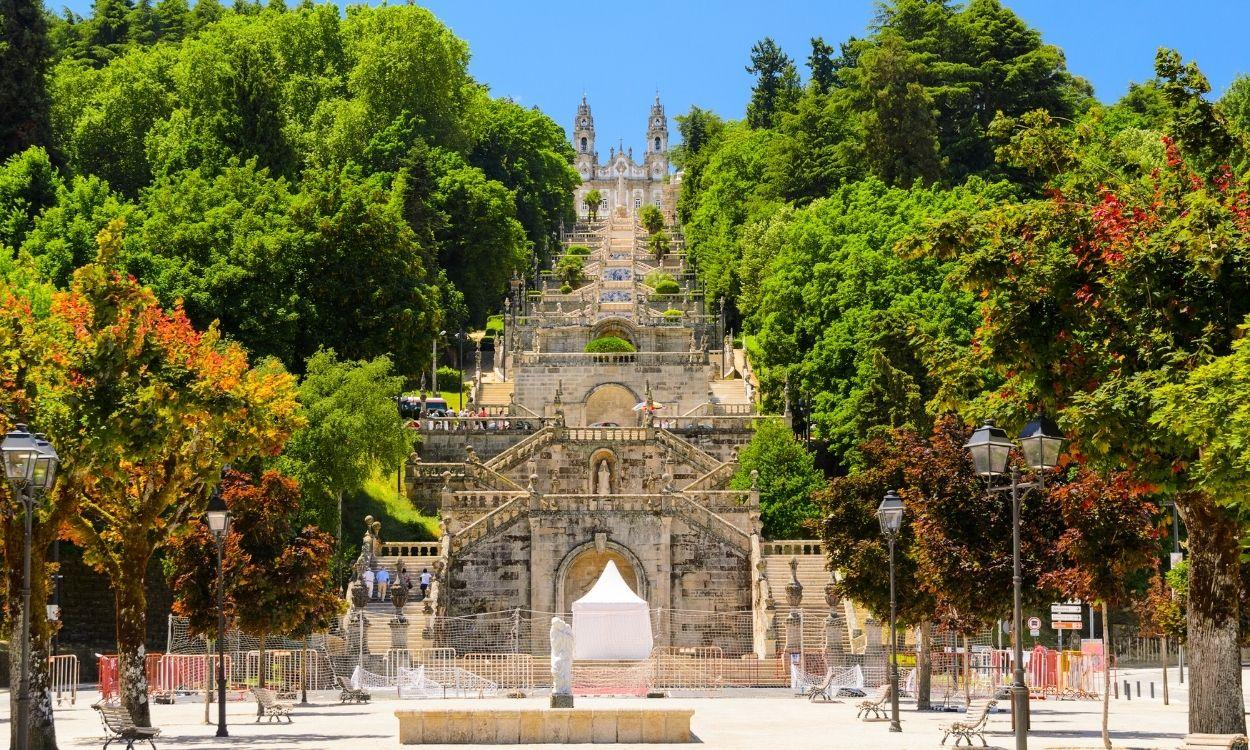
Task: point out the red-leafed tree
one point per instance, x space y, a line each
1110 541
277 575
1126 278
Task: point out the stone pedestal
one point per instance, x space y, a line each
561 701
399 634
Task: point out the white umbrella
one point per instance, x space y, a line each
643 406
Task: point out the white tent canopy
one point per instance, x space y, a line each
611 621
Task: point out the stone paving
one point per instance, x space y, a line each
754 719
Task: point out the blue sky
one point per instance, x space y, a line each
547 52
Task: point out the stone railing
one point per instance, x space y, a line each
410 549
607 434
479 500
496 519
719 422
653 503
794 547
716 476
610 358
488 476
493 423
714 522
430 470
700 460
522 450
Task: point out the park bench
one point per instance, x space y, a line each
1213 741
119 726
349 694
268 707
876 704
972 725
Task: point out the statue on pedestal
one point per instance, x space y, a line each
561 664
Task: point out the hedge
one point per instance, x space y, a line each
609 344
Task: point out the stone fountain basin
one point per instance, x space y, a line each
538 725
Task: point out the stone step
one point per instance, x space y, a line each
729 391
496 394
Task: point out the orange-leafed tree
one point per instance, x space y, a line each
157 408
278 578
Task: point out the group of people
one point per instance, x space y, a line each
378 582
466 419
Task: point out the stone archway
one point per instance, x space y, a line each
603 464
583 565
610 402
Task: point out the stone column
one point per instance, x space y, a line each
794 622
835 628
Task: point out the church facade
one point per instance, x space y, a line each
624 184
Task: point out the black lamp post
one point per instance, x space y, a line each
1040 443
218 518
890 515
460 362
30 465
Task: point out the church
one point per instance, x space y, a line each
621 181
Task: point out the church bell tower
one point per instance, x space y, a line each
657 141
584 141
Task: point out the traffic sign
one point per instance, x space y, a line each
1064 625
1067 608
1066 617
1035 623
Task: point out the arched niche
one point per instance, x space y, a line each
604 459
618 327
610 402
583 565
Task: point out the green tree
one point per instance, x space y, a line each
171 20
776 84
63 236
593 199
787 477
108 32
820 63
28 185
24 55
353 431
651 219
900 122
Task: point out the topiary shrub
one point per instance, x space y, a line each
494 325
668 286
655 277
448 379
578 250
566 289
672 314
609 344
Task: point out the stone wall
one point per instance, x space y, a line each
670 385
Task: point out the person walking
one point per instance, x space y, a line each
384 582
367 576
425 582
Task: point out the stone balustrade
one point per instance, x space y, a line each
793 547
410 549
479 500
607 434
610 358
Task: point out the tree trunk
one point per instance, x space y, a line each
1163 656
924 669
1106 680
260 654
132 626
1215 697
967 673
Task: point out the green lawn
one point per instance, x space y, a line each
400 521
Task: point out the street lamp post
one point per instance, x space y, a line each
434 362
1040 443
890 515
30 465
218 517
460 363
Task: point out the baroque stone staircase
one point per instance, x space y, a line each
495 394
812 574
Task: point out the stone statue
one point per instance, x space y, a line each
561 664
603 485
368 548
376 528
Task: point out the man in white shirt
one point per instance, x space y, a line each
367 576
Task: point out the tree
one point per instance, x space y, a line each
820 62
24 54
1110 541
279 574
108 31
787 477
593 199
658 245
776 84
28 185
651 218
171 19
34 388
353 429
158 408
855 548
900 122
570 270
1125 280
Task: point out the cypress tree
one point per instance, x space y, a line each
24 54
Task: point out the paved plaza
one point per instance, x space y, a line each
754 719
